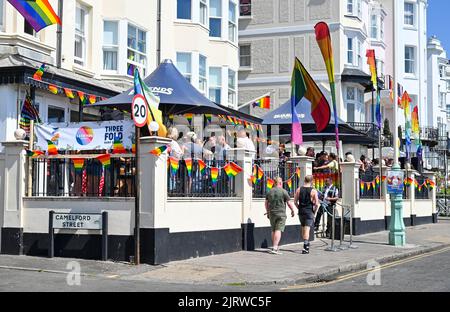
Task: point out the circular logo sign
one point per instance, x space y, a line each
85 135
139 110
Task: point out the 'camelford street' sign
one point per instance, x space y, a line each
77 221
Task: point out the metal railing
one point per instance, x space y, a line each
273 168
57 177
429 134
200 184
369 129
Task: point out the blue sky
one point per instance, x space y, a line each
438 21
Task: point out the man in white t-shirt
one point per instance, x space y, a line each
243 141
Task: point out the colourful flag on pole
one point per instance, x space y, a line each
34 154
415 121
298 172
400 95
159 150
52 149
28 113
323 38
38 13
263 102
297 94
260 174
208 117
39 73
152 101
406 104
289 184
391 87
371 60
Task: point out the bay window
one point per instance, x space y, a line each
80 35
137 50
202 82
203 12
215 18
215 84
355 104
232 87
110 45
184 64
232 22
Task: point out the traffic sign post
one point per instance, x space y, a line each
140 111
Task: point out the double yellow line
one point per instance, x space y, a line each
365 272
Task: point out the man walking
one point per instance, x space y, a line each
329 199
276 200
307 203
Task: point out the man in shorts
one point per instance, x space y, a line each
276 200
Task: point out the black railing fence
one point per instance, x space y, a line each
200 183
421 188
370 185
57 177
272 169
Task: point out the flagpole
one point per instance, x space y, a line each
253 101
59 35
137 220
380 149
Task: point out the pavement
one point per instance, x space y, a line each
258 268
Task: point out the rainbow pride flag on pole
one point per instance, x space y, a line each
38 13
323 38
39 73
263 102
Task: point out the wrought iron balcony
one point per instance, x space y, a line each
369 129
429 134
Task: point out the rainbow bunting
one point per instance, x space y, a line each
38 13
105 160
230 119
34 154
270 184
189 118
69 93
78 163
118 147
52 149
174 165
39 73
159 150
431 184
188 163
377 180
260 174
263 103
289 183
82 97
201 166
363 186
214 176
53 89
383 179
133 148
92 99
323 38
232 169
298 172
208 117
254 180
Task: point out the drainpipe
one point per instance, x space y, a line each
59 36
158 44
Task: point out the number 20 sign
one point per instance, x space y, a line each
140 111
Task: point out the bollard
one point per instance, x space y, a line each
332 248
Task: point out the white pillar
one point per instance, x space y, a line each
349 186
14 177
306 167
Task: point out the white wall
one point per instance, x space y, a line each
370 210
259 218
120 212
2 191
423 208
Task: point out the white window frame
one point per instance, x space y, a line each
246 56
350 53
2 14
380 67
111 47
374 26
413 60
232 24
357 102
215 87
187 75
232 90
354 8
382 27
82 61
140 54
408 14
203 79
205 15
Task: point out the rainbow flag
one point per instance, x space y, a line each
159 150
201 166
263 102
406 104
289 183
188 163
152 102
214 176
297 171
82 97
363 186
253 179
92 99
78 163
174 165
323 38
415 121
28 113
230 119
370 54
39 73
34 154
118 147
38 13
52 149
209 117
232 169
133 148
105 160
189 118
53 89
431 184
391 88
260 174
270 184
69 93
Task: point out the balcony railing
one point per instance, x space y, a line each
369 129
429 134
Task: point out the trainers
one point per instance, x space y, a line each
305 252
275 252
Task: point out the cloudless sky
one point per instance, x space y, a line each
439 21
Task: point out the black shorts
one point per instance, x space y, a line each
307 219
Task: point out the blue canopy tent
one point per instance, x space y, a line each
177 95
282 117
